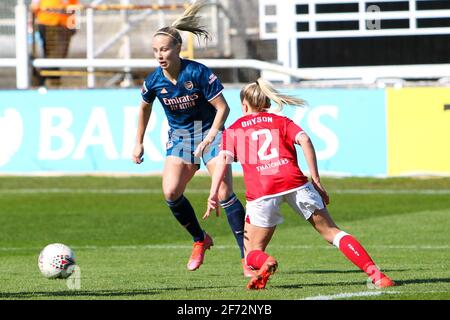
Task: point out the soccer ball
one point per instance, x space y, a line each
56 261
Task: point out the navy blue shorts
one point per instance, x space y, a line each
183 147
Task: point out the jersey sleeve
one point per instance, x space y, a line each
292 130
148 95
210 84
227 144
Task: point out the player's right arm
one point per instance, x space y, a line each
145 110
226 156
222 160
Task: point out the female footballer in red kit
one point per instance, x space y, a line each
264 144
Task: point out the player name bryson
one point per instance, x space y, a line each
256 120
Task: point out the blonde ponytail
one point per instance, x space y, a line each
189 21
259 94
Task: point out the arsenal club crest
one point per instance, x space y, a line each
189 85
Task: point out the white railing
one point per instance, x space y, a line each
368 19
367 74
22 57
8 62
289 20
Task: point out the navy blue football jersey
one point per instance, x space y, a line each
186 103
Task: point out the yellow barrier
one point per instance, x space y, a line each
418 131
189 52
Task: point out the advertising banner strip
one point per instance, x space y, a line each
93 131
419 131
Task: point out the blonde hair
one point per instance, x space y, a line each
259 94
189 21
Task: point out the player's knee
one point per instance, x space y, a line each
225 195
225 192
172 194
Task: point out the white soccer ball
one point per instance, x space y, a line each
56 261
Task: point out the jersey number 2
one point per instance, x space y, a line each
265 146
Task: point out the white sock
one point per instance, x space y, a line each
338 237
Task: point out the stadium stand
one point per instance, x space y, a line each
322 40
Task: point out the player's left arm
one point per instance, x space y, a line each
311 160
223 110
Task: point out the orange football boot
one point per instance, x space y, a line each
198 252
259 281
384 282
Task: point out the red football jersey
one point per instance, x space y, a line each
264 144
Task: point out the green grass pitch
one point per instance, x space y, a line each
128 245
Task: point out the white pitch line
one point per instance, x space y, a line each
392 191
226 247
87 191
351 295
203 191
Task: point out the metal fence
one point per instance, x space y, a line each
353 18
118 40
113 29
289 21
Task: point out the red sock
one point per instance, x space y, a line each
355 252
256 259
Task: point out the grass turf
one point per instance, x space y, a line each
128 245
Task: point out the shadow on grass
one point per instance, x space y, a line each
338 271
398 283
97 293
422 281
322 284
76 293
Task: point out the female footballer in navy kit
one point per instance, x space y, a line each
191 95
